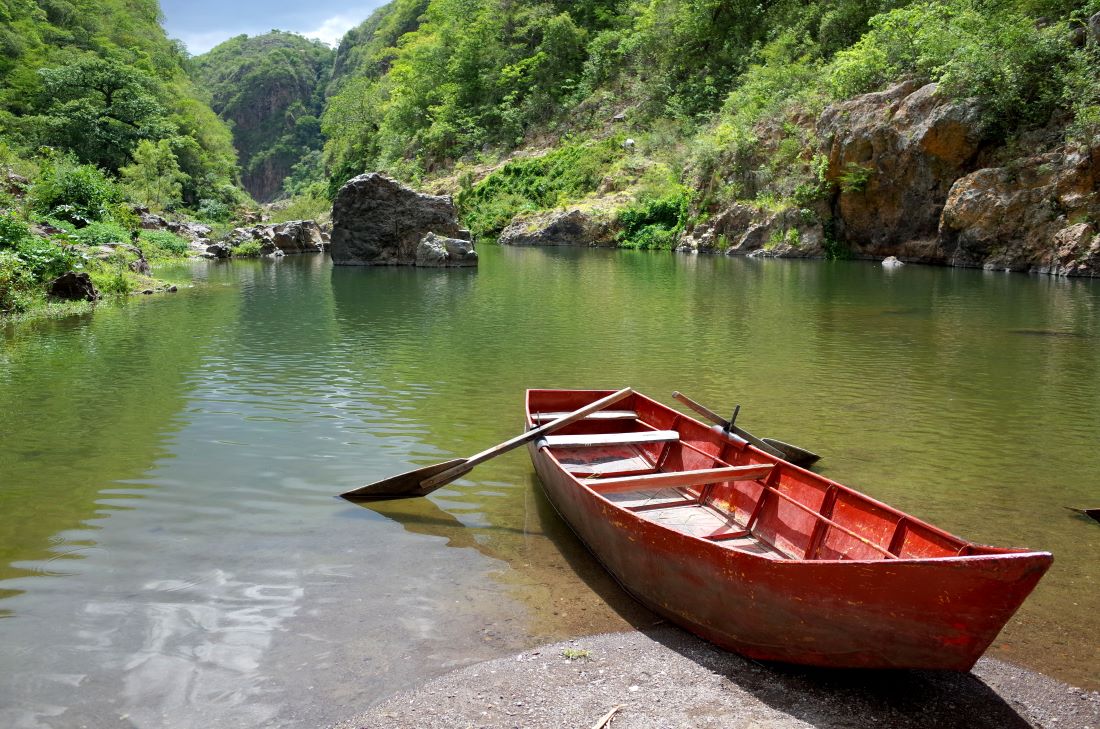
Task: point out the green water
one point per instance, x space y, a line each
169 541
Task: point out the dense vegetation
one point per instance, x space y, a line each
97 113
271 88
718 92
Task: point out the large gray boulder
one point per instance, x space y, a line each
298 236
439 252
377 221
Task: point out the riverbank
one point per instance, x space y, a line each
664 677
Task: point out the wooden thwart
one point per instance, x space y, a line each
679 479
601 415
595 440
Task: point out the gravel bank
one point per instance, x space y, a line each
665 678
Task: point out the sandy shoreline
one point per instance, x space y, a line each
666 678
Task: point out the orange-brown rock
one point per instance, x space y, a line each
1038 214
893 156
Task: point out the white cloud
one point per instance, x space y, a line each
199 43
333 29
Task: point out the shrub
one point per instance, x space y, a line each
13 231
101 234
44 260
249 248
79 194
165 242
653 222
564 174
990 52
214 211
18 289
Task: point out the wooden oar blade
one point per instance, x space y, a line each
794 454
405 485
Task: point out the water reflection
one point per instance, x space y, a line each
171 549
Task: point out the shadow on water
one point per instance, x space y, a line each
423 516
855 698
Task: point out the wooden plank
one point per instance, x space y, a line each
593 440
679 479
601 415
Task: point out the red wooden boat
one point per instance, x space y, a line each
762 557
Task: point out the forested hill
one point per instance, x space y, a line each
787 127
272 88
95 78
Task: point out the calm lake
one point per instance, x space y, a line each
172 552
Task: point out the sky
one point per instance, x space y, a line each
203 24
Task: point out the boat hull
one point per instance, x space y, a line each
899 613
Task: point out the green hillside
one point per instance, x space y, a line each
97 78
271 89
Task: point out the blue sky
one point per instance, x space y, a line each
202 24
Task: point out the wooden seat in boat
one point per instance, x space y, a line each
596 440
598 415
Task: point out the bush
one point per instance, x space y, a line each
43 260
994 53
214 211
79 194
563 174
248 249
165 242
101 234
13 231
18 289
653 223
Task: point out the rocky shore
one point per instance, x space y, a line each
664 678
905 172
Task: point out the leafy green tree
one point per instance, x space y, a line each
100 109
155 177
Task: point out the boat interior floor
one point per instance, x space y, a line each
678 509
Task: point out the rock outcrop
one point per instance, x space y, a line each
377 221
893 157
751 231
571 227
293 237
1034 216
73 286
437 251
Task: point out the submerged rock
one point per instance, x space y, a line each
377 221
437 251
73 286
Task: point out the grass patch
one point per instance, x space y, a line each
563 175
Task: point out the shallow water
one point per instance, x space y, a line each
172 554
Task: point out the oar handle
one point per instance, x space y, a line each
739 432
526 437
702 409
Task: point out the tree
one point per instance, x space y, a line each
101 109
155 176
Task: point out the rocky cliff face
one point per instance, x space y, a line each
910 176
271 88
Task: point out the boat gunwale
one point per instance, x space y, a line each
990 553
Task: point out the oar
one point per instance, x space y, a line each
771 446
424 480
1093 513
